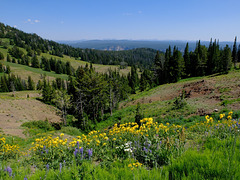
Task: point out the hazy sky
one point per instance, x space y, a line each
125 19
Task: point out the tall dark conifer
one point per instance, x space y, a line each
187 61
238 53
234 53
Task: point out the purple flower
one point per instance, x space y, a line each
75 152
46 150
60 167
149 145
9 170
90 151
47 166
78 144
25 178
145 149
81 151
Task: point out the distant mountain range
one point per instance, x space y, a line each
117 45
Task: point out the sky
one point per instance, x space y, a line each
125 19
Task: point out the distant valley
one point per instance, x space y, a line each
118 45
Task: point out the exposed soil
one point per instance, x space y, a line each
14 112
208 91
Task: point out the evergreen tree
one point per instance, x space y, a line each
58 68
1 56
159 68
26 60
238 53
133 80
187 61
39 85
35 62
47 92
47 66
8 58
176 66
30 84
3 84
8 70
1 68
68 68
226 60
139 115
143 83
234 53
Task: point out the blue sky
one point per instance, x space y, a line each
125 19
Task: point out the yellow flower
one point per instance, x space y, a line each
114 139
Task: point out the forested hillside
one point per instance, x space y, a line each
35 44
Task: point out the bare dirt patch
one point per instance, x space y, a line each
14 112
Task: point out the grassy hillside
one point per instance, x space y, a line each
203 95
24 71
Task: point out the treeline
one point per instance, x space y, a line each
44 63
10 83
36 45
172 65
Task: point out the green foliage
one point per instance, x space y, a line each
43 125
180 102
139 114
1 56
73 131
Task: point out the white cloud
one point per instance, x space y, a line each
139 12
32 21
127 14
62 22
15 26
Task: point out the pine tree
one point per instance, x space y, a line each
8 58
35 62
234 53
226 60
3 84
176 66
238 53
58 68
133 81
1 56
139 115
68 68
39 85
47 66
143 83
8 70
159 68
1 68
47 92
30 83
187 61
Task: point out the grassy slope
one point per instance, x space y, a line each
217 92
24 71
